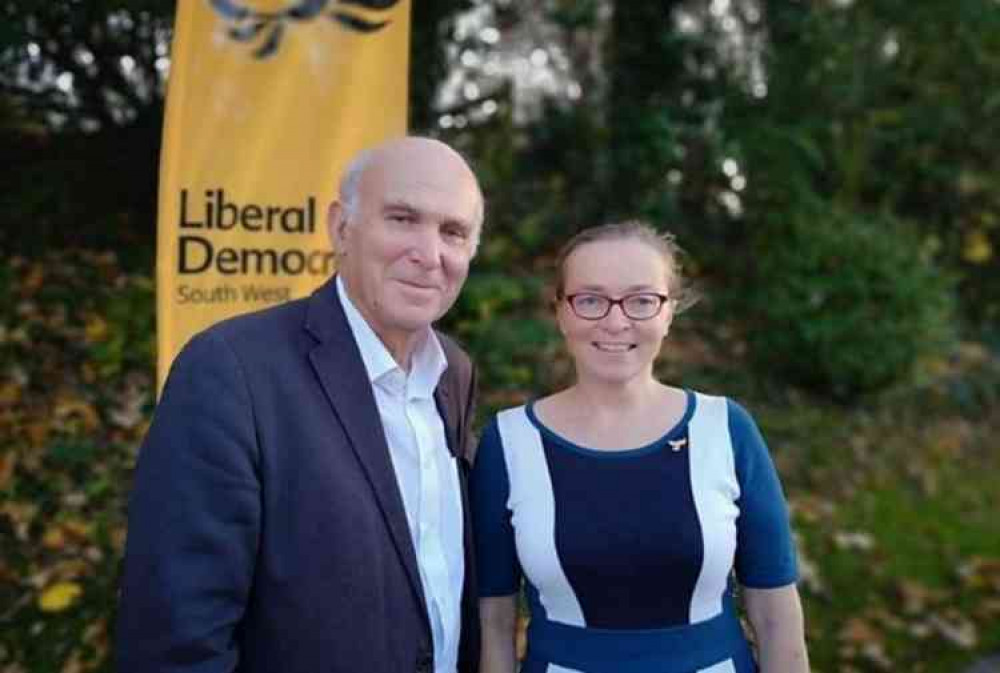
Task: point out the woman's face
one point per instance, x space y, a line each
615 348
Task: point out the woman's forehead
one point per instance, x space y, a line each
615 260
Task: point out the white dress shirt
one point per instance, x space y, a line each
426 473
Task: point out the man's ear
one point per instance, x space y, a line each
335 223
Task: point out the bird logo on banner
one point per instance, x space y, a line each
247 24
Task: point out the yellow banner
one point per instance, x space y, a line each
267 101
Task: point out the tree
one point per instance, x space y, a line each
884 107
86 64
82 85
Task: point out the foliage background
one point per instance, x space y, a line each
831 168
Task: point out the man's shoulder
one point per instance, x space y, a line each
265 331
278 317
454 352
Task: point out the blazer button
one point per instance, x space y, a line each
425 662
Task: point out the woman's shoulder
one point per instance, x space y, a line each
729 407
505 417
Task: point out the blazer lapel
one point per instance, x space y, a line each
446 408
341 371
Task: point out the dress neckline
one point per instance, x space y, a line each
691 401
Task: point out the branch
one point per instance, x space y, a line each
502 91
43 101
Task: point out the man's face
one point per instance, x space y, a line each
405 253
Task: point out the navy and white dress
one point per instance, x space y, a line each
629 556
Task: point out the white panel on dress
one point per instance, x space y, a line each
533 516
715 489
553 668
721 667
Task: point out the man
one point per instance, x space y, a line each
299 501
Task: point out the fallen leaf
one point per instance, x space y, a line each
956 630
88 372
980 573
915 596
875 653
95 329
75 499
18 336
10 393
118 539
858 631
54 539
77 529
69 569
37 433
21 515
809 572
73 664
977 248
59 597
96 633
128 412
73 407
854 540
811 508
887 619
989 609
34 279
8 461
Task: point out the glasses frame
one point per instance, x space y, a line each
620 302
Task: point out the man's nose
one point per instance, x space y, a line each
426 249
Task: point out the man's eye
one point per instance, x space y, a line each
400 217
456 233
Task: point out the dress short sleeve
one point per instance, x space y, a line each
497 568
765 550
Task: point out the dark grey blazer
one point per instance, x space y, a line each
266 529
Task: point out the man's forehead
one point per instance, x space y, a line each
445 190
445 204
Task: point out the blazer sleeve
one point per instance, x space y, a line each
193 521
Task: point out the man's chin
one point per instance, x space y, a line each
417 319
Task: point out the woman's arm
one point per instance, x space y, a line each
498 615
776 618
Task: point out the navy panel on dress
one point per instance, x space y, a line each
627 535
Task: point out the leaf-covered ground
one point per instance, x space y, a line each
895 500
76 386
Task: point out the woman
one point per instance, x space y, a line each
627 503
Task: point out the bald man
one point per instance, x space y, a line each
299 502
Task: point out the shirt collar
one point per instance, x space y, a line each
428 360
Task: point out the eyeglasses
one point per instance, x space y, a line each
636 306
